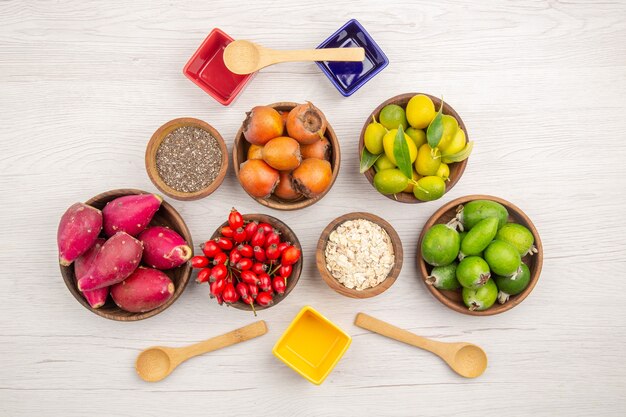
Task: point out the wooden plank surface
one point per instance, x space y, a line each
541 86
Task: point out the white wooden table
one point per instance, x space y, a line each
541 86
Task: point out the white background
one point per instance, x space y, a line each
541 86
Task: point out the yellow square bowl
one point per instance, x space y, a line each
312 345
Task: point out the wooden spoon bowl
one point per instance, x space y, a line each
165 216
240 152
456 169
453 299
157 139
287 235
350 292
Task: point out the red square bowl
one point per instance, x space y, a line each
207 70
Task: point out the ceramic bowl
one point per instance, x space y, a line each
207 70
312 345
348 77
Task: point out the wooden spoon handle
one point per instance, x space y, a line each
329 54
236 336
378 326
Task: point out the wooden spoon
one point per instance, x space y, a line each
157 362
465 359
245 57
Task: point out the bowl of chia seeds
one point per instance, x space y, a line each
186 159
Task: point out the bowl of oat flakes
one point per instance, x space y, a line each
359 255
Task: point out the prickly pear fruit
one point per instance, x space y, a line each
78 230
117 259
163 248
95 298
130 213
144 290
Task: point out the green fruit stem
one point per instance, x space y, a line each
433 153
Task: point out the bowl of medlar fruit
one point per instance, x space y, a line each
286 155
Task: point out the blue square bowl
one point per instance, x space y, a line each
350 76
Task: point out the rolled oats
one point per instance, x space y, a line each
359 254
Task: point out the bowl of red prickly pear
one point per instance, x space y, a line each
252 262
124 254
286 155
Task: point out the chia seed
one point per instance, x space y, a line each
189 159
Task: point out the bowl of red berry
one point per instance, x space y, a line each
252 261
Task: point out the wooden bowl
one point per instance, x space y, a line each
456 169
340 288
240 152
155 142
165 216
453 299
287 235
